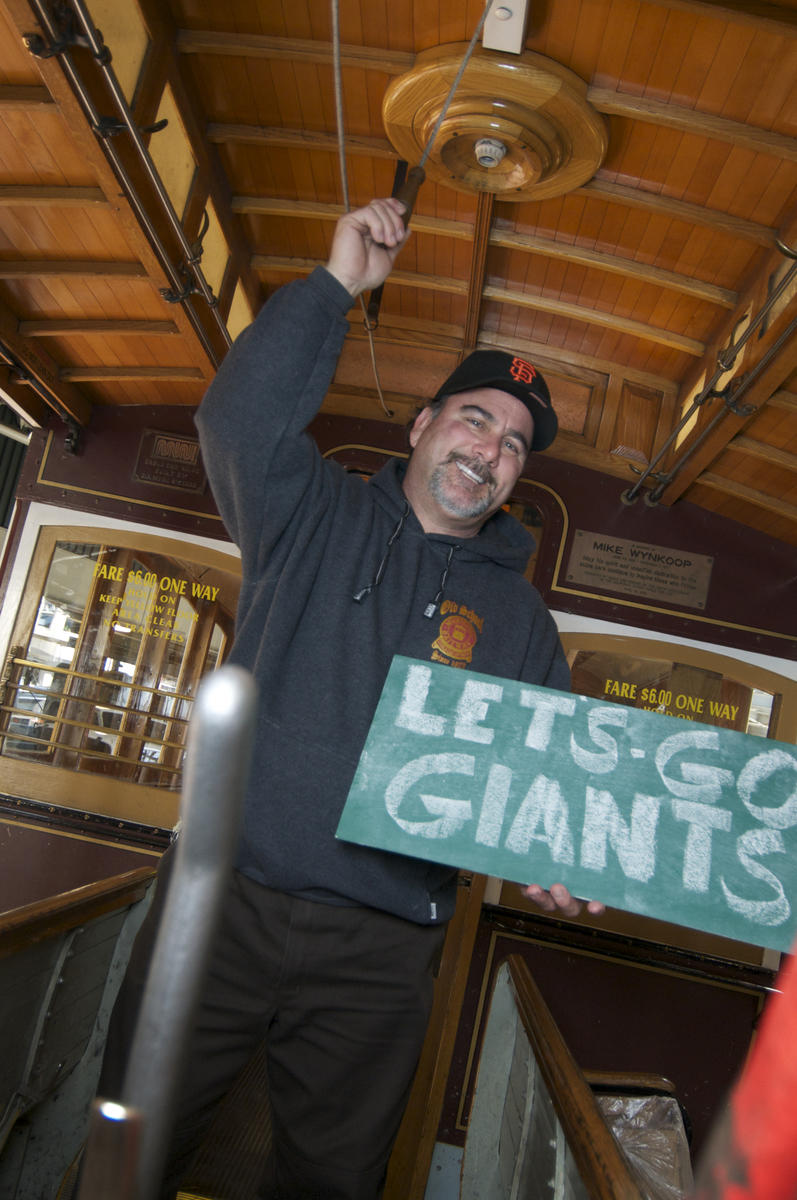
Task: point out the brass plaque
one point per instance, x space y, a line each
639 569
170 460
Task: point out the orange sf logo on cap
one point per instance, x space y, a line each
524 372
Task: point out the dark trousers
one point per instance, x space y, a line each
343 997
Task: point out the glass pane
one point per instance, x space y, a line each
107 679
673 688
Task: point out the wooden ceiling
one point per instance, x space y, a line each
623 290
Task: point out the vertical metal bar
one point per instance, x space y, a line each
108 1171
221 736
103 58
51 28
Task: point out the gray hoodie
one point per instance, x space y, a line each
311 538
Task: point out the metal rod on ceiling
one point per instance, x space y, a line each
24 376
725 361
54 34
731 404
192 260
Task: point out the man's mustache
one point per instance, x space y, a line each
475 465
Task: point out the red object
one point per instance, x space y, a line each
752 1154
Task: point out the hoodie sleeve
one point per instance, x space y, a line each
261 464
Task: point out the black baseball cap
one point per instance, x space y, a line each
509 373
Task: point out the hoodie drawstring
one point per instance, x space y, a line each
432 608
358 597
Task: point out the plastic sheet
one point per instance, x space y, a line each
650 1130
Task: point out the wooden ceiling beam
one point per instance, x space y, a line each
783 399
770 18
23 269
36 196
615 265
256 45
679 210
21 19
665 206
485 204
439 283
740 492
38 363
576 358
96 328
24 96
108 374
303 266
531 244
268 206
360 402
687 120
297 139
593 316
770 454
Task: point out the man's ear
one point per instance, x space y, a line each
421 421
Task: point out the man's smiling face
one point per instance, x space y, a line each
466 460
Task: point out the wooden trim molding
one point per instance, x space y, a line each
256 45
44 269
297 139
439 283
770 454
579 312
680 210
603 1167
740 491
485 203
98 328
615 265
529 243
688 120
35 195
46 918
24 96
106 374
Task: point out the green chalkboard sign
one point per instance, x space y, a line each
649 813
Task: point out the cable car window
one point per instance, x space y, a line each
105 680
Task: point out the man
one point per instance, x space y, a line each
327 948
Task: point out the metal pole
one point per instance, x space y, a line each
725 360
657 492
108 1171
103 58
109 150
221 735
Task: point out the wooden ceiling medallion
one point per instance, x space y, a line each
536 108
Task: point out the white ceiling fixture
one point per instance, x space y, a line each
505 27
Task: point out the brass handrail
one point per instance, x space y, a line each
120 708
52 720
49 745
140 687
